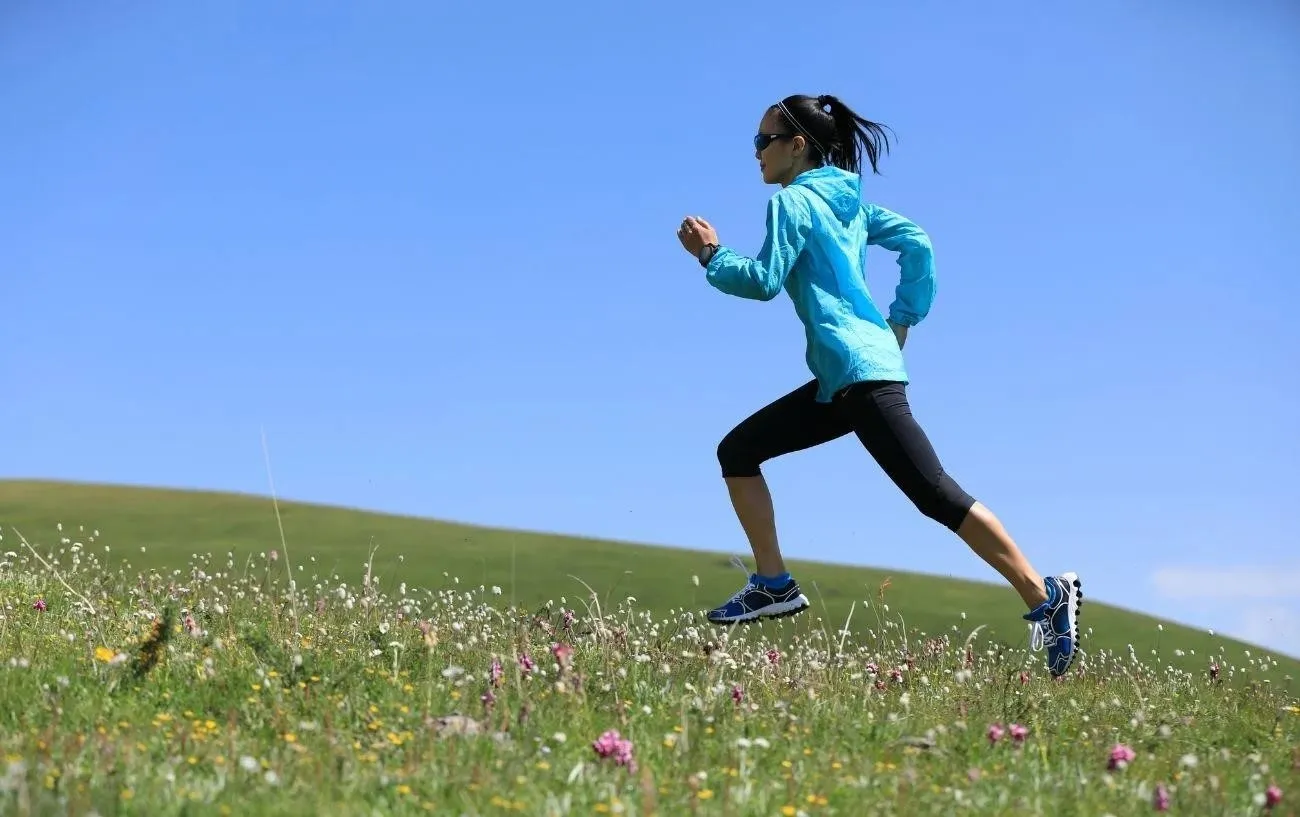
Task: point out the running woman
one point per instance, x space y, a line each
818 230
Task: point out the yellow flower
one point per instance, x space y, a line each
290 737
705 794
789 811
104 654
403 789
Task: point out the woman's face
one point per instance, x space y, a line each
777 157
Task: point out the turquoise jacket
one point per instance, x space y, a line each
818 231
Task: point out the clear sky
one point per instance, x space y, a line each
430 248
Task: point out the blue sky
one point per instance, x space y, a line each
431 250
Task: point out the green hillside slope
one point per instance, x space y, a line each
163 528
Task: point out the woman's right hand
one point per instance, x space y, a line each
900 333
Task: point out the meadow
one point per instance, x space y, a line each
227 669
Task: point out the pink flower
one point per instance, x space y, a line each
568 619
39 605
737 694
496 672
896 674
488 698
1161 799
612 745
526 663
995 733
872 668
773 657
880 683
562 652
973 774
1214 672
1272 796
1024 677
1120 756
1019 733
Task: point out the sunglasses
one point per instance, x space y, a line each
762 140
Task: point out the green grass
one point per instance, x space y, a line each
192 681
169 526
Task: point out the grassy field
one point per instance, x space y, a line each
195 680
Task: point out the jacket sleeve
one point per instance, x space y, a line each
916 286
789 221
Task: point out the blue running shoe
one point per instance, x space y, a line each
759 598
1055 623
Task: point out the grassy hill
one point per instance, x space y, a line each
163 528
215 691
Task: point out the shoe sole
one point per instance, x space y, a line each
1073 605
783 609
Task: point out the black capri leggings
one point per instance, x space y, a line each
879 414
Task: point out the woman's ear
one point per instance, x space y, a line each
798 145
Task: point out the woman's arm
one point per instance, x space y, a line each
916 286
761 278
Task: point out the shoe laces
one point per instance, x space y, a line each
740 594
1041 635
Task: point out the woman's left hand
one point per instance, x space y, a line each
695 234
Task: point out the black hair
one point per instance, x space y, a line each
835 134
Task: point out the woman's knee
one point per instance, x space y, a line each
738 456
944 501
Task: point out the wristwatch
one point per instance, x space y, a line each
706 254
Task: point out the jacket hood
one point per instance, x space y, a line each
840 189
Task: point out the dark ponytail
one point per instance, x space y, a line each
835 134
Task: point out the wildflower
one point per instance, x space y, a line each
488 698
104 654
1214 671
563 653
1161 799
568 619
496 672
773 657
995 733
39 605
1120 757
1024 677
1019 733
737 694
612 745
1272 796
526 663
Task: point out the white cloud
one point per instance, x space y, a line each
1233 583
